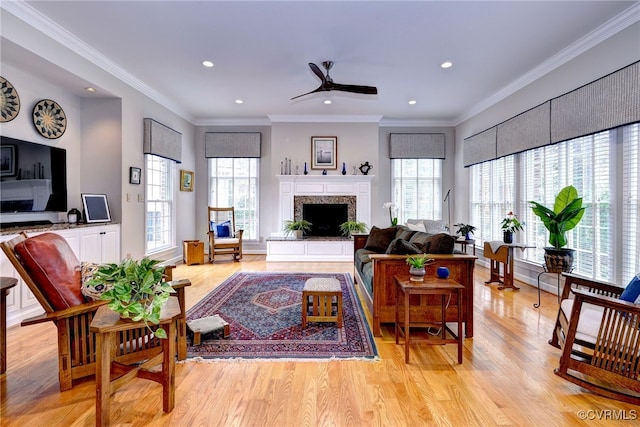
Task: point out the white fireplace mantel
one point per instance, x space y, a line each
326 185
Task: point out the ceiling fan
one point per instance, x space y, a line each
328 84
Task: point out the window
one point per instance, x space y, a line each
584 163
416 188
234 182
603 167
160 207
493 196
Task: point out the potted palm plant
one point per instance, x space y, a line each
297 227
347 228
135 290
465 230
566 214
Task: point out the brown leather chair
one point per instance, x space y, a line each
52 272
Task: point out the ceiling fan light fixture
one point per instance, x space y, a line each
207 63
446 64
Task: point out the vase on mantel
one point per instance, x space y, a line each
344 168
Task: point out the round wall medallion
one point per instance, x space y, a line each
9 101
49 119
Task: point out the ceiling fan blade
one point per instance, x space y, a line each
367 90
316 70
319 89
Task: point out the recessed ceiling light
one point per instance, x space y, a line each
239 101
412 102
207 64
446 64
90 89
327 101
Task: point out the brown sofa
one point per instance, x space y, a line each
381 255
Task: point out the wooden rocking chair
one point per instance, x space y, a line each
224 238
600 339
51 270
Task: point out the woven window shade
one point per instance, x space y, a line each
609 102
524 132
232 144
480 147
162 141
417 146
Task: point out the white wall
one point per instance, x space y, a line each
104 132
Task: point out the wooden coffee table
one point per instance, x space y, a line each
446 288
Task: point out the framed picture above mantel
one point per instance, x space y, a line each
324 152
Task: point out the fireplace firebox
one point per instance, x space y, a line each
325 218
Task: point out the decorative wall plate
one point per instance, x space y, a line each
49 119
9 101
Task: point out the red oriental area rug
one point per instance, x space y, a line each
265 318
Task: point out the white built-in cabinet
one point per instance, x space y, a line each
90 243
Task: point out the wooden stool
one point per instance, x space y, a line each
322 295
207 325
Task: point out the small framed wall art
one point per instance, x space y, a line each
134 175
186 180
324 152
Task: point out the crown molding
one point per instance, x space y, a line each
257 121
595 37
319 118
42 23
414 123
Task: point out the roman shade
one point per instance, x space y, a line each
524 132
417 146
232 144
606 103
162 141
480 147
612 101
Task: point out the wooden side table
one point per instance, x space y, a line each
503 255
6 283
429 286
111 375
464 243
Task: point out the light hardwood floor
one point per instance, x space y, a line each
506 377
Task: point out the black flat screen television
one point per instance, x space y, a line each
33 177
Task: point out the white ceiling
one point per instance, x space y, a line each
261 50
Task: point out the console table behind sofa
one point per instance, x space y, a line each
382 301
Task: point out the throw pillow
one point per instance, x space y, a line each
441 243
435 226
422 241
380 238
632 291
92 293
402 247
416 227
404 232
224 229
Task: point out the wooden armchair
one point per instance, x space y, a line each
600 339
51 270
224 238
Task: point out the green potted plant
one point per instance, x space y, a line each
135 290
465 230
509 225
298 227
348 228
566 214
416 265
